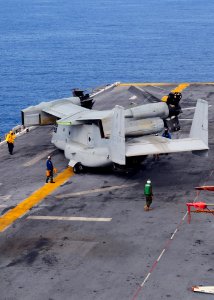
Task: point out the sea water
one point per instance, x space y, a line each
48 47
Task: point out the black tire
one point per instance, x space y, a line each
114 167
78 168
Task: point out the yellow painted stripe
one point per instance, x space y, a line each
164 98
178 89
24 206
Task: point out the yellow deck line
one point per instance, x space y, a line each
11 216
178 89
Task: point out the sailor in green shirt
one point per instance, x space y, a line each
148 193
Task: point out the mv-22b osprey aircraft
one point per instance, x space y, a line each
117 137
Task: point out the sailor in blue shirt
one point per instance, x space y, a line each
50 169
166 134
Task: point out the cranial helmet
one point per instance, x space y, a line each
49 157
148 181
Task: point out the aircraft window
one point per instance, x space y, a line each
89 139
64 129
69 133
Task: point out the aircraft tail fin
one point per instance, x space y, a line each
117 138
199 128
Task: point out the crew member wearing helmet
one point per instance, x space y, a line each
148 193
50 170
10 137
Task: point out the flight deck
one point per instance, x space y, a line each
87 236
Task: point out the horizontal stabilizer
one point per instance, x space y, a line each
157 145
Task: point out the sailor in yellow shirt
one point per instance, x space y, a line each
10 137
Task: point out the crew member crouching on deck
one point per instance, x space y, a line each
50 170
10 137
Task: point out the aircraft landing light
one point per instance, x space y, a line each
104 189
23 207
58 218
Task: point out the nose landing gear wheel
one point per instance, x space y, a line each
78 168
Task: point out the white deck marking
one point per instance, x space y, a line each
58 218
184 216
5 197
37 158
142 284
104 189
174 234
161 254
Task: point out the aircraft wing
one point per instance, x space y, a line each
46 113
157 145
85 116
68 110
63 109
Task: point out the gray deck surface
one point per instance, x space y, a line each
44 259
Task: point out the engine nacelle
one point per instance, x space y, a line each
141 127
151 110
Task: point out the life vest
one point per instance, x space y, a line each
10 138
148 189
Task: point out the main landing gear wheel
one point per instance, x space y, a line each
78 168
114 167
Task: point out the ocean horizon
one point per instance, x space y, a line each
49 47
